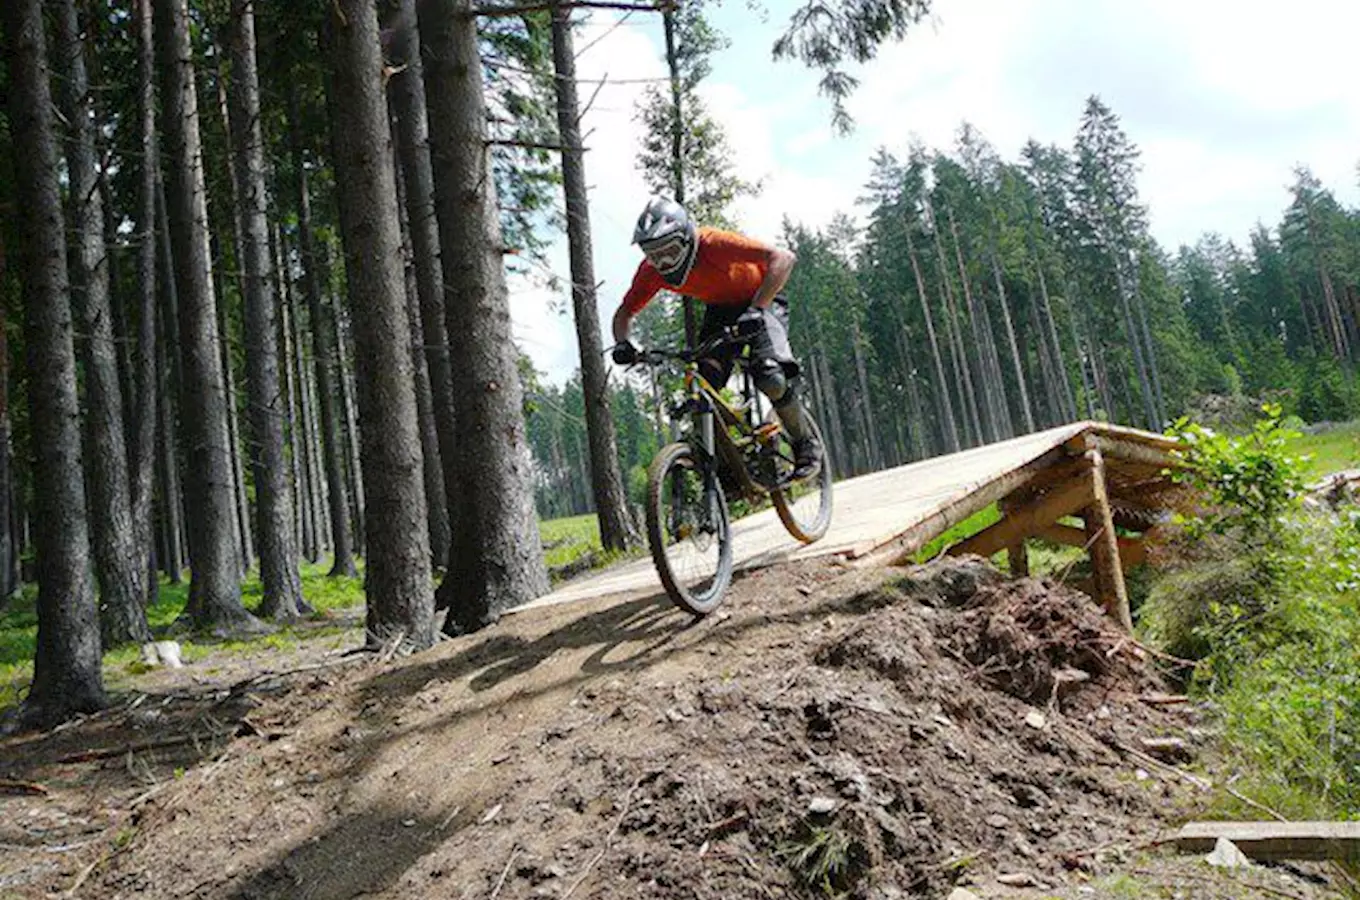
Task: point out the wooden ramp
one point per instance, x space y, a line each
1103 474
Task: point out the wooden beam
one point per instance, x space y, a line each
1132 551
1017 554
1100 535
1276 840
1026 520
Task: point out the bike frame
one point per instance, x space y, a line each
709 410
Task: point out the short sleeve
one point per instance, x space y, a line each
646 282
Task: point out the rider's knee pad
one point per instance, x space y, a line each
769 378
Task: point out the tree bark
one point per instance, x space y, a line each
436 497
118 564
397 575
325 360
142 453
497 558
407 91
168 375
282 596
67 679
215 588
617 530
241 521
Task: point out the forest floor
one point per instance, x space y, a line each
828 732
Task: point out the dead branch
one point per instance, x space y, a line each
19 786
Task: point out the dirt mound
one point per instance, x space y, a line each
861 734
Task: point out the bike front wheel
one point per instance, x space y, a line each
688 529
803 506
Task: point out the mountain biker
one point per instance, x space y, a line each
738 280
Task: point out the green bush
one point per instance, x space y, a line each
1265 597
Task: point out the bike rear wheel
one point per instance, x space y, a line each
688 529
805 506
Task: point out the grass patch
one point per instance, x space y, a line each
566 540
968 527
1329 451
19 627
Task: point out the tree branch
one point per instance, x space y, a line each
531 145
521 9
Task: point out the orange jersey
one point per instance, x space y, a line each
728 270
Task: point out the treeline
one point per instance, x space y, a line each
977 299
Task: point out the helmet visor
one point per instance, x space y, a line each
667 254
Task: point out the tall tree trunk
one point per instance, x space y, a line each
617 530
242 531
980 338
351 423
436 498
325 359
397 579
942 398
1014 347
292 411
1069 402
498 556
8 584
142 453
963 378
1135 341
407 91
215 589
306 427
1140 304
67 679
872 451
244 540
831 407
282 597
169 378
119 564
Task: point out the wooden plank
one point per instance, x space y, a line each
899 549
1276 840
1027 520
1100 534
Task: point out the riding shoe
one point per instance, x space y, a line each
807 458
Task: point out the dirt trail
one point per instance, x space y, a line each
827 733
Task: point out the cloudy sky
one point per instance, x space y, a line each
1224 98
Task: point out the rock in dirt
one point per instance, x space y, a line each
1035 719
1227 855
1017 879
820 806
1167 748
963 894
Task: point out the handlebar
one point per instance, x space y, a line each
729 335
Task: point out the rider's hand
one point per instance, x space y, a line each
625 353
751 321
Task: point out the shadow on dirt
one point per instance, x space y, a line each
359 855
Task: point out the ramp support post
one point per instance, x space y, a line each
1104 543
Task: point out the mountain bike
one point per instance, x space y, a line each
726 449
